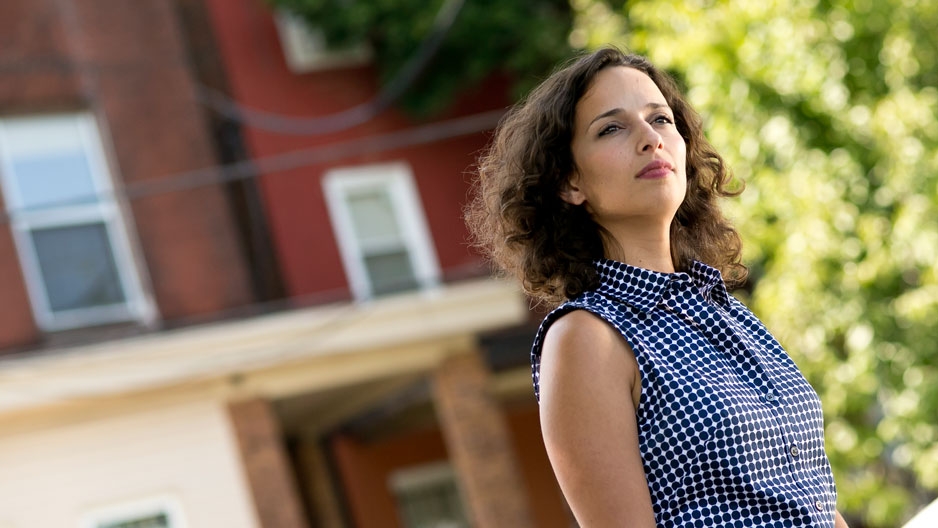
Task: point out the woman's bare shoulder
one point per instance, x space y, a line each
581 348
581 330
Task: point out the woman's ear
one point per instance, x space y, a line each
570 192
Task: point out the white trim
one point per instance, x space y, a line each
431 474
103 209
136 509
145 310
275 356
406 482
305 50
396 178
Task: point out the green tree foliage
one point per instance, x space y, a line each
521 39
828 111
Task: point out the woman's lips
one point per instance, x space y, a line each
654 170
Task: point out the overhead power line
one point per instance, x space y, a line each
320 125
356 115
269 165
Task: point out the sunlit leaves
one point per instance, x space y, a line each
828 110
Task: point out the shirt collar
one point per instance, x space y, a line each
644 288
710 282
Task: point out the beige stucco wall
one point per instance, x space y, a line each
51 477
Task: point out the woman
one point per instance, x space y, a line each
663 400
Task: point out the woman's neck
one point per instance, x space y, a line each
645 249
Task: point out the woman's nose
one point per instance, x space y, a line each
652 143
650 140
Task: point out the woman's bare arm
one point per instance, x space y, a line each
589 385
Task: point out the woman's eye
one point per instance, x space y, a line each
608 128
664 119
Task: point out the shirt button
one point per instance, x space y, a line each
795 451
770 396
818 506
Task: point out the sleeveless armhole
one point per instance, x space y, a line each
553 317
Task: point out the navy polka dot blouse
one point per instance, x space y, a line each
730 432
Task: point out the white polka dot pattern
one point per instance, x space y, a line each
730 432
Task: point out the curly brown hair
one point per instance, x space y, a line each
519 220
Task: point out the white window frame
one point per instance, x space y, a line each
305 50
136 307
397 179
406 479
135 510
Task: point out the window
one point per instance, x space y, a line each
158 512
67 226
305 50
427 497
156 520
380 229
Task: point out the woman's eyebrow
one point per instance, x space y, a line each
607 113
614 111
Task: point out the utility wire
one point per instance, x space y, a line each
289 125
251 168
246 169
356 115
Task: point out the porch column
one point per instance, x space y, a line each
267 465
478 443
320 489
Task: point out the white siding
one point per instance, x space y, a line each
51 478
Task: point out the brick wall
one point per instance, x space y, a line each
125 62
36 67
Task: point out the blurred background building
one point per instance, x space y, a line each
236 290
205 323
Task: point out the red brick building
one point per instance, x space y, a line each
209 321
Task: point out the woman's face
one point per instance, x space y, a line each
629 158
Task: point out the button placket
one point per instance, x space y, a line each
746 361
745 358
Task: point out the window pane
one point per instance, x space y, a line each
49 159
432 505
77 266
390 272
159 520
44 133
373 216
63 178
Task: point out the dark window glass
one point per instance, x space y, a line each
77 266
159 520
